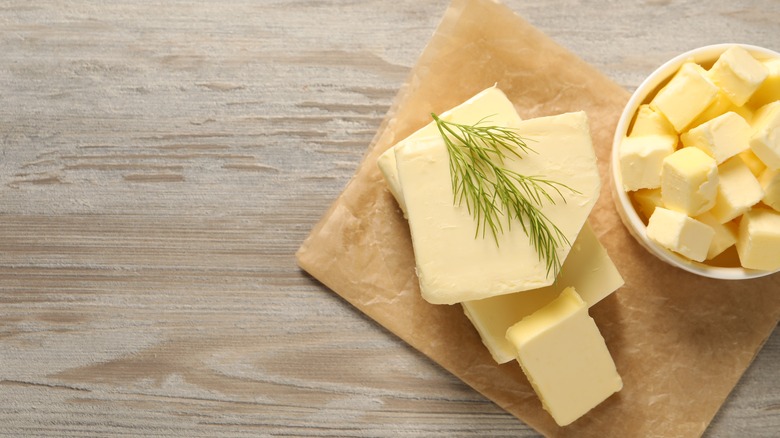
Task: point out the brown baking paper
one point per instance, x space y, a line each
679 341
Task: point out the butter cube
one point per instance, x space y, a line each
721 138
561 351
753 162
677 232
455 266
725 234
588 269
686 96
738 190
765 141
769 91
651 122
720 106
689 181
758 244
770 182
648 200
738 74
641 160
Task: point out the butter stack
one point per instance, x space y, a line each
702 161
519 310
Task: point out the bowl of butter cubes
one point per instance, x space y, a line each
695 162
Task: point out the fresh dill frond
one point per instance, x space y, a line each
497 196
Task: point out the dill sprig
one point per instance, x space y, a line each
491 191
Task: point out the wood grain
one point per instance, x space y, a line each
160 165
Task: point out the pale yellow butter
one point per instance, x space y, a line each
738 74
489 102
770 183
680 233
721 138
648 200
725 234
686 96
738 190
689 181
561 351
650 122
641 160
753 162
765 141
720 106
758 244
455 266
769 91
588 269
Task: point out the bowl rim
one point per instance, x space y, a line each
626 210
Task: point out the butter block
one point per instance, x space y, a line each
678 232
641 160
650 122
738 190
455 266
588 269
753 162
721 138
386 164
725 234
561 351
770 183
491 101
738 74
769 91
689 181
765 141
648 200
758 244
687 95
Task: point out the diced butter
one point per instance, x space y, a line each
720 106
769 91
679 233
650 122
738 190
588 269
770 182
765 141
490 101
452 265
758 244
686 96
738 74
725 234
721 138
689 181
561 351
648 200
641 160
753 162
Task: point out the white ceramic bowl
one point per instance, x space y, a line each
704 56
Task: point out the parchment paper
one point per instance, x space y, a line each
679 341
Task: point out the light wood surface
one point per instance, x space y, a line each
160 165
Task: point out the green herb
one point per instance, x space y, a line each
492 192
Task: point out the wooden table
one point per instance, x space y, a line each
162 163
